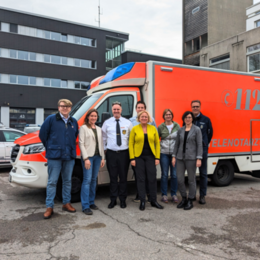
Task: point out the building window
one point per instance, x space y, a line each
32 81
48 112
222 62
64 37
257 23
23 80
13 79
253 58
13 28
55 59
23 55
19 117
13 54
47 82
114 48
32 56
195 10
82 85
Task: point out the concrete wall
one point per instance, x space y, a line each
252 17
195 24
235 46
226 18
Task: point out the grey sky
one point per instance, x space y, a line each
154 26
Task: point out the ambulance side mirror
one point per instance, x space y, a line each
104 117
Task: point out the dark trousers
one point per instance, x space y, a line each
204 173
146 185
146 170
117 165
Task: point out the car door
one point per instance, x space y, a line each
10 136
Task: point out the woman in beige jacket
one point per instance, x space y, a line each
92 157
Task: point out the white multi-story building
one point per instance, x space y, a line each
253 16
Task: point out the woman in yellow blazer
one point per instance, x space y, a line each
144 150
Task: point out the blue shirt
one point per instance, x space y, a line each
134 121
64 118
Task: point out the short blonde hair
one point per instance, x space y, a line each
66 102
142 112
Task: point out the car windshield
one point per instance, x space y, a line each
84 105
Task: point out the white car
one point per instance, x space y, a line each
7 138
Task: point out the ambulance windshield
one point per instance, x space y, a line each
84 105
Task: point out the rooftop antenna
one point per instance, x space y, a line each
99 13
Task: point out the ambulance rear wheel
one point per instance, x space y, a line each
223 174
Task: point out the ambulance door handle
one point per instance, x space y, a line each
166 69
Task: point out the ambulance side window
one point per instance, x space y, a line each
127 103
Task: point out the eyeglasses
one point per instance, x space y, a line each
188 117
195 106
64 106
116 103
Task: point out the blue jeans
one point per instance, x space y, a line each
55 167
88 188
166 162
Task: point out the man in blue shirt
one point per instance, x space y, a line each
58 135
140 106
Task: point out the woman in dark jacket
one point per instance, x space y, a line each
188 152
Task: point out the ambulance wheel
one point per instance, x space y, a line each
76 182
223 174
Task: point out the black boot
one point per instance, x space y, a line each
183 203
156 205
189 205
142 205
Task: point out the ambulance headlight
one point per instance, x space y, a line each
34 148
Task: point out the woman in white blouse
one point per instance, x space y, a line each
92 157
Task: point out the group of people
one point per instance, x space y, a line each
123 142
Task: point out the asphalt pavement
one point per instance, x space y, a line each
227 227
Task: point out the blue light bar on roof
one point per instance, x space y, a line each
117 72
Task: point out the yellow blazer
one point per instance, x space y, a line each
136 141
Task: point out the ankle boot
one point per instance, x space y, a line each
183 203
189 205
142 205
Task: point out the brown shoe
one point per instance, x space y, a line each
48 213
69 208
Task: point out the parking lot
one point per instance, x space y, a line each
227 227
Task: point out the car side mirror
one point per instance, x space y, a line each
104 117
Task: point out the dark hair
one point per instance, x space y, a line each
167 110
186 114
193 101
140 102
86 121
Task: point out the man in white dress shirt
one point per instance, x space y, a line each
115 132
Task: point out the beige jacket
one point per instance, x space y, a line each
87 142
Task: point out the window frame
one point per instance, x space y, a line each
108 104
251 53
